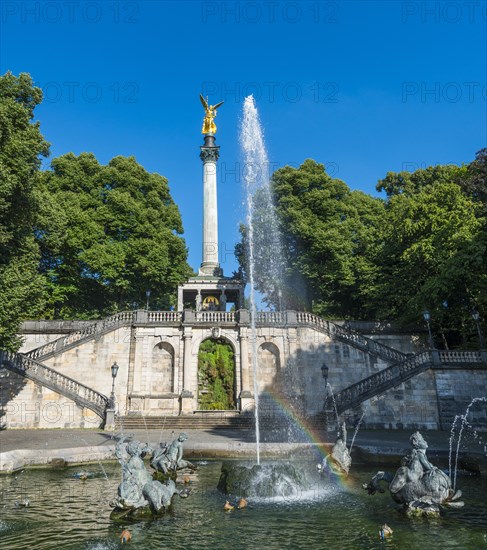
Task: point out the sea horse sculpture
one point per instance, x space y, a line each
209 126
418 485
138 493
340 457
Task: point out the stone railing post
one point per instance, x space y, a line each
243 317
291 318
435 356
189 316
141 316
110 420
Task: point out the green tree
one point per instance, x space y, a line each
433 259
108 234
329 236
21 148
397 183
474 181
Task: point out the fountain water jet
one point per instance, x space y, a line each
452 432
256 178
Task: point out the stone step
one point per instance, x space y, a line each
187 422
184 422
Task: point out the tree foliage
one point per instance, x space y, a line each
433 257
21 148
107 234
329 237
216 373
350 255
80 239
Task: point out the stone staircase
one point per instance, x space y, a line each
207 420
34 370
78 337
384 380
350 337
265 318
30 365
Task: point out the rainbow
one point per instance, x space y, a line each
310 433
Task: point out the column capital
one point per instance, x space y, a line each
209 154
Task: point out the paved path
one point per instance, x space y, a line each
20 448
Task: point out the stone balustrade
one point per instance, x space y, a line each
394 375
215 317
81 394
163 317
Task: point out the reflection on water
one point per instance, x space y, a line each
66 512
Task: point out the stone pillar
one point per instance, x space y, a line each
209 155
292 342
246 399
187 394
109 420
180 298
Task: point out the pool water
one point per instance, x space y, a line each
66 512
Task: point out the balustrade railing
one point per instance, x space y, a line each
399 372
270 317
53 379
382 381
216 317
351 337
165 316
460 356
116 320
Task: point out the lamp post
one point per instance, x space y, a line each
147 295
427 318
324 372
114 368
476 318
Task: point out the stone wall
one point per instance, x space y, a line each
159 374
455 389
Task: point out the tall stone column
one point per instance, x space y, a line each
209 155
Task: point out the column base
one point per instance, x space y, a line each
210 269
187 402
247 403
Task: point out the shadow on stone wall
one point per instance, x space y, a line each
11 384
284 403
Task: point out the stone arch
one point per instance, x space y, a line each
230 339
216 374
269 363
162 379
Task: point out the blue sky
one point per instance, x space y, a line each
364 87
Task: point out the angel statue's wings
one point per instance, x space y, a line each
204 102
208 107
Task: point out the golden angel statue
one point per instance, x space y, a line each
209 126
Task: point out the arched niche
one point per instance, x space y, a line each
269 363
162 379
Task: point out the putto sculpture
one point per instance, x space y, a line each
169 458
421 487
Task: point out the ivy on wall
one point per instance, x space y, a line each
216 375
